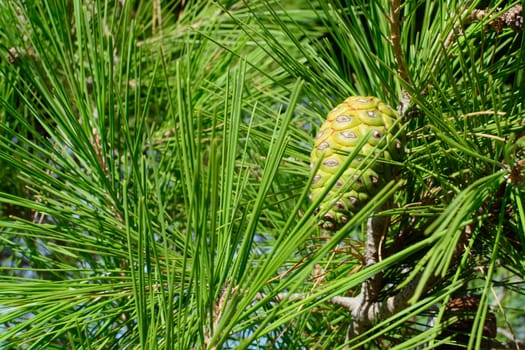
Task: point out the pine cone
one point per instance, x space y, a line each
359 120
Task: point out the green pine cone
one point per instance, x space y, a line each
347 124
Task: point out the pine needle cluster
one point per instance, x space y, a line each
154 166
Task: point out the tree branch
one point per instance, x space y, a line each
376 229
512 18
395 32
378 310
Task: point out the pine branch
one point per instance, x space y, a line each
376 229
395 29
510 19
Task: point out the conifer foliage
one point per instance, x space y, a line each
165 165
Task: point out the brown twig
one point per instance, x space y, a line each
511 19
395 31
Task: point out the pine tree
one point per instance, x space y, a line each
155 190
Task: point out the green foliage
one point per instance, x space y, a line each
154 163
